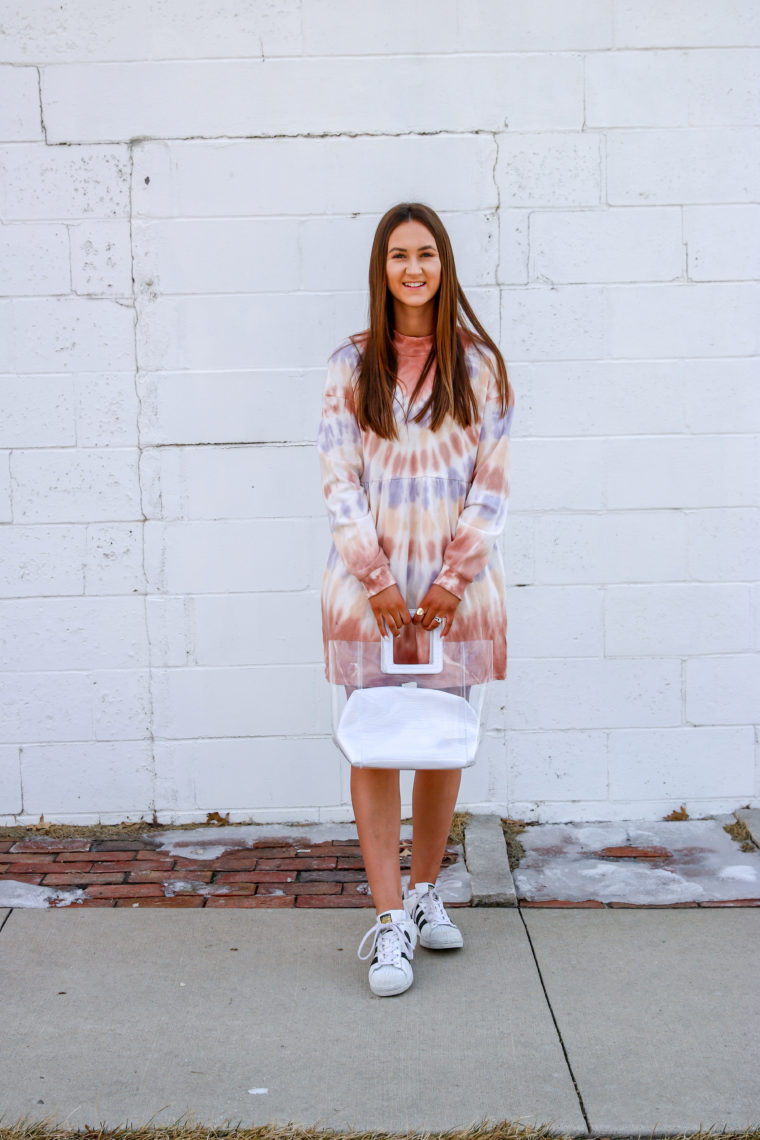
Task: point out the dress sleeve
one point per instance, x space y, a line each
339 444
485 510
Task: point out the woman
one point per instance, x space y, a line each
414 450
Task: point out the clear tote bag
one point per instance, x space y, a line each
425 715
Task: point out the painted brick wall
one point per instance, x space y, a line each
189 191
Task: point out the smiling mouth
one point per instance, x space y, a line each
413 284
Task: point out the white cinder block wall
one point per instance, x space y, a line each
188 197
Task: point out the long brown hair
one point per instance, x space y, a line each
376 374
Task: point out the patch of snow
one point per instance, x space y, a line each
211 842
745 874
15 894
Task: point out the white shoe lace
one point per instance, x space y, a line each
435 912
388 949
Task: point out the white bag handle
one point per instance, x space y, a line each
435 665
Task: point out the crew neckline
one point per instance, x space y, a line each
419 344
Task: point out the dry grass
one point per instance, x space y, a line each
741 833
126 829
515 849
187 1130
458 824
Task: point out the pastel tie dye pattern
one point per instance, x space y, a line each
426 507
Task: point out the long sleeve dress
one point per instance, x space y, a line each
425 508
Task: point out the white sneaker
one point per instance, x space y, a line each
393 940
424 907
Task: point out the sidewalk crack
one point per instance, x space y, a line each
556 1023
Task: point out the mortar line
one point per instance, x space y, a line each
556 1023
8 915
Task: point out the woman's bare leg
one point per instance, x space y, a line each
433 801
376 798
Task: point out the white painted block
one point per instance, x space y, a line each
604 397
723 690
246 331
623 546
39 560
257 629
637 89
121 705
678 620
755 590
55 334
696 164
107 409
241 701
555 621
34 258
722 396
45 707
723 242
240 482
682 471
170 630
724 545
231 407
680 762
61 182
75 485
724 87
447 26
512 268
87 777
20 119
72 633
557 765
584 694
646 23
222 178
565 323
547 169
248 775
6 513
87 103
557 474
101 258
683 320
37 411
10 780
230 555
518 549
606 245
113 560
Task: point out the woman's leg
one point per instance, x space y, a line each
377 809
433 801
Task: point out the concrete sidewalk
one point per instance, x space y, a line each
603 1022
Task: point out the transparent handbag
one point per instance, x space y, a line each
426 714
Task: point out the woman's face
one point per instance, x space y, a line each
412 265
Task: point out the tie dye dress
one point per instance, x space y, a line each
425 508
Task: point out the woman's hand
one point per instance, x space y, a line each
390 610
437 603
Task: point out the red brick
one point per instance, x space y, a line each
121 845
4 867
327 850
563 903
246 861
120 868
301 889
318 902
20 878
90 902
253 853
151 865
633 853
233 889
55 880
29 856
272 841
302 864
41 844
167 876
194 864
123 890
278 902
339 876
175 901
651 906
32 866
6 844
352 864
255 877
101 856
733 902
156 857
